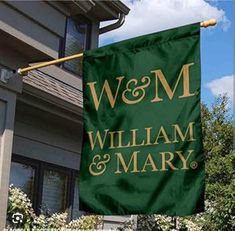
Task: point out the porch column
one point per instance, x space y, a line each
8 95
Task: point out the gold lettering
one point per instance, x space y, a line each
134 144
120 144
164 161
186 89
106 88
183 159
149 162
148 136
164 135
178 131
111 134
125 167
97 136
138 93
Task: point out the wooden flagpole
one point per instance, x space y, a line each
22 71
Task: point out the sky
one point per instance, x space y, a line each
217 45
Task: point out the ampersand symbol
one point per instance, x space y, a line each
138 92
98 166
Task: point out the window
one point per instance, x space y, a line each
51 188
54 190
23 176
77 39
75 210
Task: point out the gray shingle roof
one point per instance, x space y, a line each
54 87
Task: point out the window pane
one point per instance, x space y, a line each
75 42
22 176
54 191
76 212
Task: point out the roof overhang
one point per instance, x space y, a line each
101 10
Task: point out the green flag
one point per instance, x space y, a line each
142 145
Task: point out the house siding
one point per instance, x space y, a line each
38 136
29 31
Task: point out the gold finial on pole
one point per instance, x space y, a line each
210 22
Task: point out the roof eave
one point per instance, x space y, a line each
101 10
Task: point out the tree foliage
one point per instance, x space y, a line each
217 127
